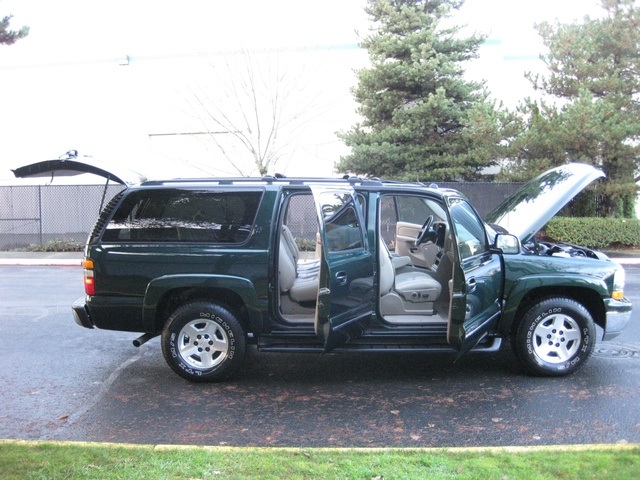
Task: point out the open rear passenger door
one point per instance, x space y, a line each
345 295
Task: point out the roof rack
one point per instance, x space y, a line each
267 179
283 180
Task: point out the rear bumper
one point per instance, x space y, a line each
618 316
80 313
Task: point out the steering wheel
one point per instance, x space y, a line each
422 234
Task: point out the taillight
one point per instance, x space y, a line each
89 280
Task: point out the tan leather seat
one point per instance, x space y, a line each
304 269
412 286
299 288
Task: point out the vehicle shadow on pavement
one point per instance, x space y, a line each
368 367
374 400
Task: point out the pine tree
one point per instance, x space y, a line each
594 73
9 37
421 120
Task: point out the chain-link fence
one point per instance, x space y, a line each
37 214
484 196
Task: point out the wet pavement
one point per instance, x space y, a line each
367 401
59 381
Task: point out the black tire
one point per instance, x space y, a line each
555 337
203 342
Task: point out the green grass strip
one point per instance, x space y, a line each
52 460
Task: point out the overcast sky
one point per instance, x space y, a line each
62 87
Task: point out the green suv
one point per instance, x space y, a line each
320 265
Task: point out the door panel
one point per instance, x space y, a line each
423 255
477 280
406 234
345 296
477 285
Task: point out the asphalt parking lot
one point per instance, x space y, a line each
59 381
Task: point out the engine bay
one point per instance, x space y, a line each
558 249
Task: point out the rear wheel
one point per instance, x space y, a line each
555 337
203 342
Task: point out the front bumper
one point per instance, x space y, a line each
80 313
618 316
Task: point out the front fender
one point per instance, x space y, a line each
546 285
159 287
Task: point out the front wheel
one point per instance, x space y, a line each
203 342
555 337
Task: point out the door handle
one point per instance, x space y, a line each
471 285
341 277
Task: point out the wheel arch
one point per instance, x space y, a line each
587 297
165 294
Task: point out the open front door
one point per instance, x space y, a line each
476 285
345 295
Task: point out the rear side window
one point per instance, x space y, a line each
184 216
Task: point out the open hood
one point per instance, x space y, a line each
71 165
533 205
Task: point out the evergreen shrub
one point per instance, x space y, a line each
58 245
595 232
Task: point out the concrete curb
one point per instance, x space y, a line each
51 262
627 261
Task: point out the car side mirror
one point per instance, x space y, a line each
508 244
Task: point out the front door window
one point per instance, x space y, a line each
470 232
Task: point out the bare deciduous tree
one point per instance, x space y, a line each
253 108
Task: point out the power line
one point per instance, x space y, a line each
119 60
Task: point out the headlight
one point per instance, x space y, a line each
618 283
